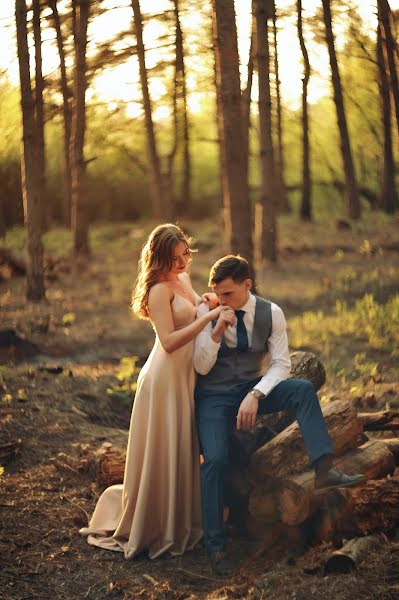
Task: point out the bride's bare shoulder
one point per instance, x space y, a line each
160 291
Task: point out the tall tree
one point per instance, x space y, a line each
66 111
184 202
235 185
158 206
39 109
180 135
246 93
388 196
30 179
279 163
268 187
79 208
306 201
351 196
390 51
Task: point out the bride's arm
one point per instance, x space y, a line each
160 310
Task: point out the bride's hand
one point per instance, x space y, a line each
211 299
228 314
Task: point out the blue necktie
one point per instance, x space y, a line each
242 335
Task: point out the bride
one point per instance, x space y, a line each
157 508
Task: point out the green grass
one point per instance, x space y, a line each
335 335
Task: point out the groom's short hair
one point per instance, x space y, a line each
234 266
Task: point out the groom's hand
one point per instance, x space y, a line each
247 412
226 317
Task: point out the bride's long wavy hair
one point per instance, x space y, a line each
156 260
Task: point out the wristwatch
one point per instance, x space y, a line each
257 394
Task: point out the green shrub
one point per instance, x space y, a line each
127 377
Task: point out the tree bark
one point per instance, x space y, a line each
282 198
373 459
332 512
388 196
345 430
351 196
158 206
30 181
389 46
246 94
374 506
184 202
79 208
393 446
352 554
66 111
387 420
235 186
39 113
268 186
306 202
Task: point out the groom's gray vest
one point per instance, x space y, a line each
233 367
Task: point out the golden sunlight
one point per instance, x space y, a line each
121 83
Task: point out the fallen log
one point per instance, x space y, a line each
9 450
295 498
354 552
373 459
345 430
373 507
15 347
387 420
393 445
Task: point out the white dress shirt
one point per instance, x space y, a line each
279 363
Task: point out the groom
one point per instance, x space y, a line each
233 388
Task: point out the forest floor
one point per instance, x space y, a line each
70 391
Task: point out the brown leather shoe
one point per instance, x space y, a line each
221 564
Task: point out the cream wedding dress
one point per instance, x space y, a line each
157 508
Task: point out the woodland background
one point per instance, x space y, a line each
265 128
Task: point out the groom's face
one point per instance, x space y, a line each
232 293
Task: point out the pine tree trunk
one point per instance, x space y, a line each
268 185
159 209
66 110
185 197
282 195
351 196
306 202
246 94
235 188
388 198
79 208
385 18
30 180
39 112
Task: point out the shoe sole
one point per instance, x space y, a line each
340 485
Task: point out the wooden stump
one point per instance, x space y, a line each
110 467
349 557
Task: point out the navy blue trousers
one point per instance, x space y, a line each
216 416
